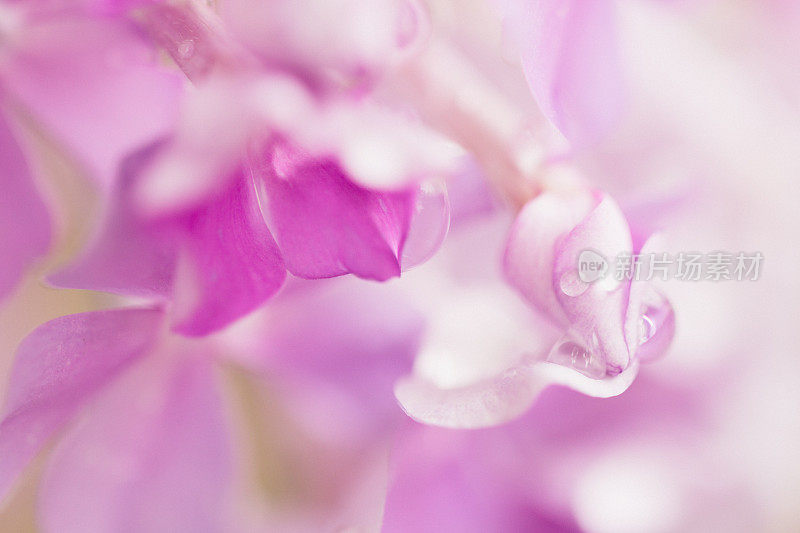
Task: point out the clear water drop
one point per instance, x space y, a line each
186 49
571 284
647 328
572 355
656 327
430 223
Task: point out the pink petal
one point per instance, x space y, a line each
456 481
94 85
596 310
375 147
607 387
602 318
436 484
502 398
152 454
130 256
570 55
530 250
218 120
326 226
58 368
301 35
24 220
335 357
229 263
215 263
485 403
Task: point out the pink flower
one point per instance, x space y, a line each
148 443
92 84
262 173
611 324
219 261
486 359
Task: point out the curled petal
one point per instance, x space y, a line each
377 149
559 257
531 247
24 220
542 253
325 225
472 369
596 309
606 387
58 368
499 399
486 403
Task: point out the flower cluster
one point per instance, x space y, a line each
263 172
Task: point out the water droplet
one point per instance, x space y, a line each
430 223
571 354
656 327
571 284
186 49
647 328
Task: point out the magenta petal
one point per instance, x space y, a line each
152 454
94 85
57 368
24 220
571 60
229 263
130 256
531 246
327 226
216 263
